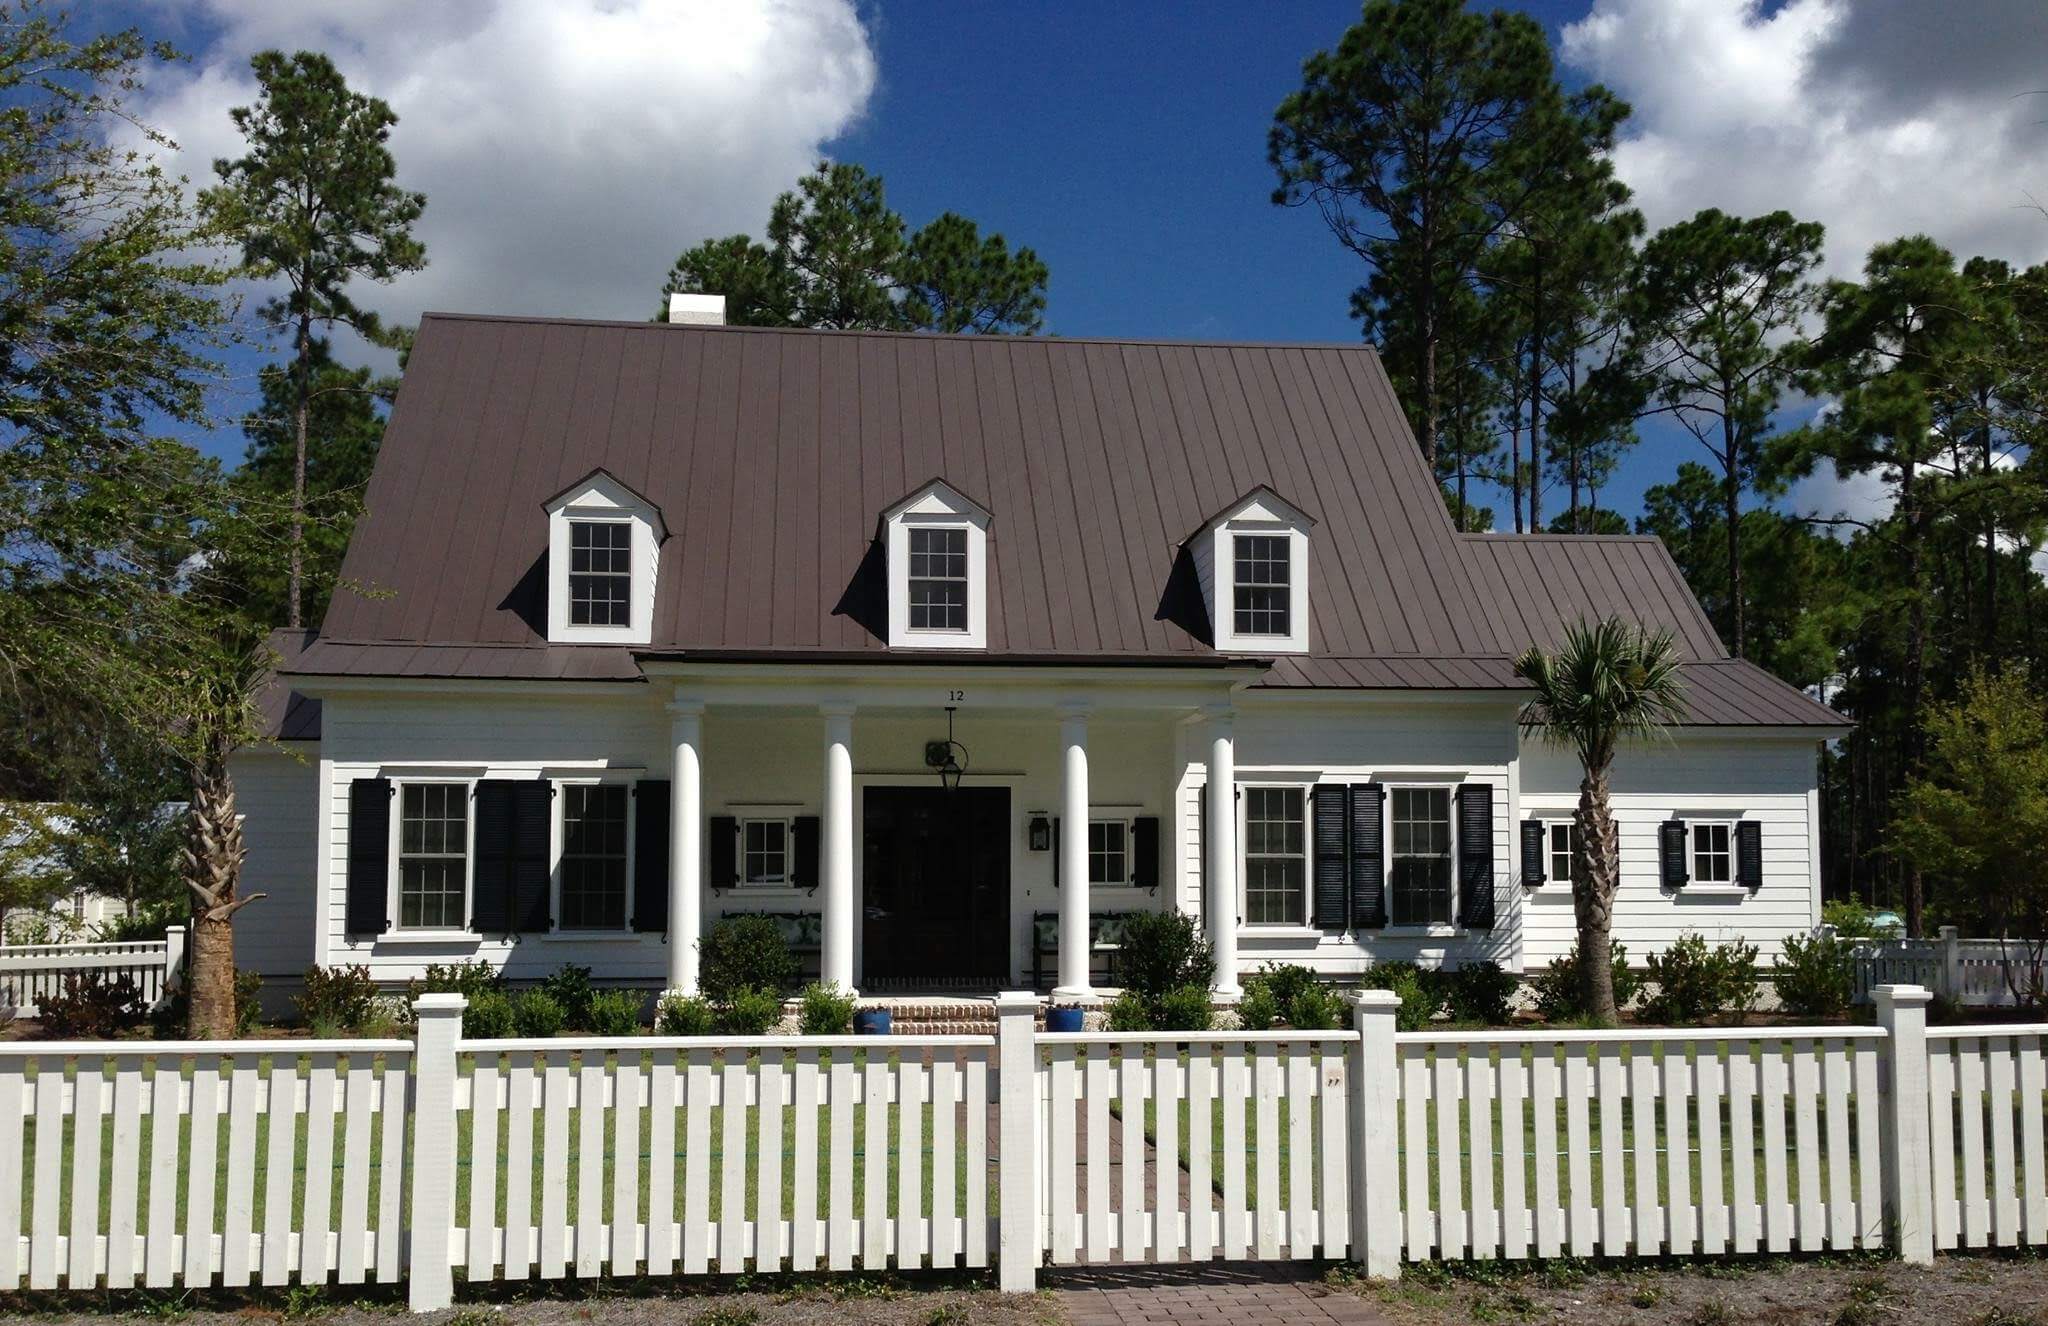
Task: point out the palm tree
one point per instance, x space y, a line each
1612 682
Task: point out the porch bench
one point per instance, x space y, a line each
1105 942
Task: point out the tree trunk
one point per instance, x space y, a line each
300 408
1536 404
213 866
1732 497
1916 667
1593 897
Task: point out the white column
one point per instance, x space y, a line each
1909 1194
431 1174
1221 850
685 843
1017 1160
836 850
1073 846
1375 1165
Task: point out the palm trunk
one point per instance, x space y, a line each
1593 896
213 866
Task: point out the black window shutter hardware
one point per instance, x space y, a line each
1671 854
1368 857
725 856
1749 854
1331 829
1475 856
650 855
804 859
369 856
1535 853
1145 852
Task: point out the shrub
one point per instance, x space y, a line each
1287 980
745 953
749 1013
1315 1008
1129 1012
248 1002
570 988
145 923
1816 975
471 980
1852 919
1257 1009
337 1001
1478 992
1556 987
1696 980
1417 989
488 1017
1184 1009
613 1013
537 1013
827 1010
91 1006
684 1015
1163 952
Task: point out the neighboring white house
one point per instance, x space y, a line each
939 646
32 866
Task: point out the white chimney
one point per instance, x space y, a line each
697 310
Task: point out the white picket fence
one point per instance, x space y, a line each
318 1162
1971 973
30 973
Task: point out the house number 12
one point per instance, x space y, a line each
955 697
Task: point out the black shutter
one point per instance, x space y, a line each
725 851
1671 853
803 871
490 893
1535 853
1368 856
1331 822
1475 856
369 856
650 855
1749 854
1056 853
532 813
1145 851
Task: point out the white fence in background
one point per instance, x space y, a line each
313 1162
30 973
1972 973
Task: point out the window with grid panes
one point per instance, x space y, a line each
938 579
765 844
1420 823
1275 856
433 856
1713 858
1262 589
1564 847
593 856
1109 860
600 573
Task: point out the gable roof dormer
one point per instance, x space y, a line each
603 541
1252 561
936 540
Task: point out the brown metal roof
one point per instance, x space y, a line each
771 454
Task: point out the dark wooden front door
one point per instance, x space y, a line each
935 879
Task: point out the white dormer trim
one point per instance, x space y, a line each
600 498
1259 512
937 505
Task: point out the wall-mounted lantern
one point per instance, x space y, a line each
1038 833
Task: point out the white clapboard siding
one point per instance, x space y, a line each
1248 1133
1987 1106
101 1135
760 1155
1647 1143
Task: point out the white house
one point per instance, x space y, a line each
940 646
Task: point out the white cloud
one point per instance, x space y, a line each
1879 118
568 151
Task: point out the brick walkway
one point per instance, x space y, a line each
1235 1295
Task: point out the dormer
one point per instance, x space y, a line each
603 540
937 545
1252 560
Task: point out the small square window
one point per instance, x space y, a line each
1109 860
1713 861
766 851
1263 590
600 573
1564 849
938 579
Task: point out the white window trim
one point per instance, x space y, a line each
1264 513
1694 882
398 930
782 812
1550 875
558 807
937 505
1272 929
1129 824
1433 929
602 499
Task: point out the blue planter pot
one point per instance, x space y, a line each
1063 1019
871 1022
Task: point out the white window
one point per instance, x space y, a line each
1275 856
433 856
937 544
603 540
764 856
1262 588
1109 852
1713 856
600 573
1252 563
1563 839
1419 855
593 871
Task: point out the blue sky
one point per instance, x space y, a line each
568 155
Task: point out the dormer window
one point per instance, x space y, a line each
937 544
603 541
1252 561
